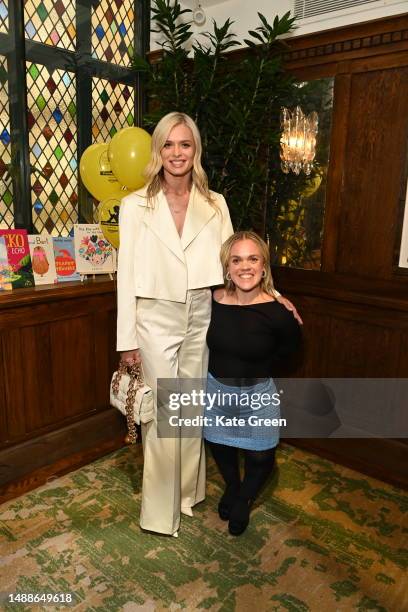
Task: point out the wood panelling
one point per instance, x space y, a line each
55 445
361 40
3 424
26 467
387 295
40 393
351 341
356 308
382 459
58 358
316 326
338 152
73 365
104 357
14 405
51 471
402 370
376 147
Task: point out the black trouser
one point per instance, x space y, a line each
258 466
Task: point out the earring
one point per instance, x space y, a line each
263 273
228 276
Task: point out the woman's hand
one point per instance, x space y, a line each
288 304
131 357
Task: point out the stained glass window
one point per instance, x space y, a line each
112 108
51 102
51 22
6 188
113 31
62 120
4 27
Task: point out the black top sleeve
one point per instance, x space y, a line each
249 341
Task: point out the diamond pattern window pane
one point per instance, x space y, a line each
6 187
4 20
112 108
51 22
53 148
113 30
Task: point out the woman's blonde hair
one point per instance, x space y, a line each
154 169
267 281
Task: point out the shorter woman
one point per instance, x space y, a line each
248 334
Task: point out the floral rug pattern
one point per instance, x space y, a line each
321 537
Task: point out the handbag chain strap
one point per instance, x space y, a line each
136 381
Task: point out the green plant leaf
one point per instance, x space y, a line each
256 35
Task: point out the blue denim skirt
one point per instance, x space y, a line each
245 417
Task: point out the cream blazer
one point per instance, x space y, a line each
155 262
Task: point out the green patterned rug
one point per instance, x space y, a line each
321 537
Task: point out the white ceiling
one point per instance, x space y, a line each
204 3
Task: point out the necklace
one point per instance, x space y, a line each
179 210
178 207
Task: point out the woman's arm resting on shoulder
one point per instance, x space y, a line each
288 304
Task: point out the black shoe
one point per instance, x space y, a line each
227 501
239 516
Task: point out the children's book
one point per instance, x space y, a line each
94 254
6 271
65 259
18 256
42 259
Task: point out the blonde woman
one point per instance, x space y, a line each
171 232
249 334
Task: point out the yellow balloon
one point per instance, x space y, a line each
129 154
108 214
96 172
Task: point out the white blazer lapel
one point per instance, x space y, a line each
160 221
199 212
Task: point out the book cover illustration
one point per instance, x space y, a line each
18 256
93 252
65 259
42 259
6 271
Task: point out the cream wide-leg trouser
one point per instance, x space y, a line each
172 341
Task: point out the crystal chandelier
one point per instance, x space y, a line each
298 141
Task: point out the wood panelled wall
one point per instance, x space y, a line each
57 349
356 309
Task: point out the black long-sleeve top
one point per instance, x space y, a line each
247 341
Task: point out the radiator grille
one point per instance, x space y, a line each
310 8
